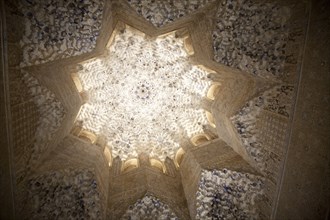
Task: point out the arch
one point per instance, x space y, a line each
210 71
107 155
77 81
213 91
157 164
179 157
87 136
130 165
200 139
188 46
210 118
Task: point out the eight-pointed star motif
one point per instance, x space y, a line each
144 95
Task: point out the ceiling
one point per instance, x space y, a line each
170 109
144 95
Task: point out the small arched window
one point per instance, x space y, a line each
157 164
129 165
179 157
200 139
213 91
107 155
210 118
87 136
188 46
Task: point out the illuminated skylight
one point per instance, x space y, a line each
144 95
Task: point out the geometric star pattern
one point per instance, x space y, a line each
144 95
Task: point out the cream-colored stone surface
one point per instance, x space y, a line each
302 192
215 155
78 164
126 188
227 194
51 29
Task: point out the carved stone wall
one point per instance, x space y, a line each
261 38
262 123
160 13
74 152
74 163
36 117
51 113
226 194
59 29
64 194
25 118
149 207
127 187
257 37
216 155
190 171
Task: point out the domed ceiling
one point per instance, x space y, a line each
162 135
144 95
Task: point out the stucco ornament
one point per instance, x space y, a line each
144 95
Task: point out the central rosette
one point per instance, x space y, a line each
143 91
144 95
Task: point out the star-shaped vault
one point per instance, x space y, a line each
148 98
144 95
